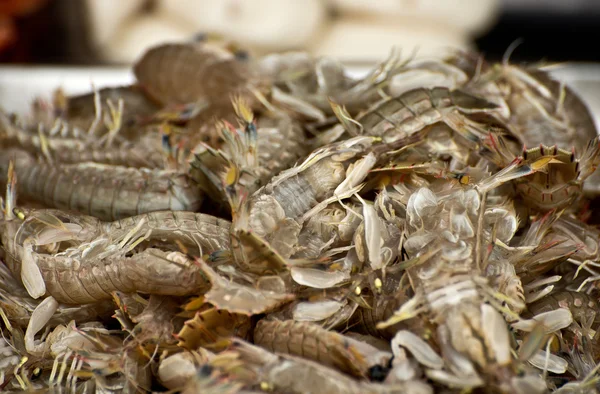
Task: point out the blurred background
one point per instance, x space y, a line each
45 43
95 32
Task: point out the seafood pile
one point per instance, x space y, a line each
230 224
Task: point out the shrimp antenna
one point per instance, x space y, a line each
511 48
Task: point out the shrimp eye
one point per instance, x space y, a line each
378 373
241 54
200 37
205 370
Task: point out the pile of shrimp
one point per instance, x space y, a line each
229 224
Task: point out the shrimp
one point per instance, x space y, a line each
46 227
146 152
547 177
107 192
92 274
315 343
200 72
73 278
203 233
211 325
292 197
296 375
91 271
273 145
297 194
18 305
399 117
541 108
82 110
583 307
313 81
449 283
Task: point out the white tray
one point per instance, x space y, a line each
20 85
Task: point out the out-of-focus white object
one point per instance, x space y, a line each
366 29
358 30
269 25
123 33
123 30
107 16
143 32
471 16
367 40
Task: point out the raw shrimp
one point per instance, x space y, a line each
81 110
547 177
186 73
74 277
204 232
18 305
583 307
107 192
264 150
314 81
145 152
295 195
541 108
63 144
402 116
211 325
448 281
315 343
91 273
296 375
